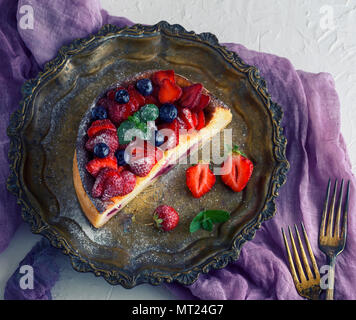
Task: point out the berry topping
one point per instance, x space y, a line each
136 98
99 113
201 120
99 184
191 96
200 179
101 150
159 76
159 138
203 103
122 96
171 133
99 125
107 136
149 112
169 92
195 119
236 170
144 86
168 112
129 180
120 156
94 166
120 112
186 115
142 157
165 218
113 186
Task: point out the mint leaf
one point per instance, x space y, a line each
207 224
195 225
217 216
206 219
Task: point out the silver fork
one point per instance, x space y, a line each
332 236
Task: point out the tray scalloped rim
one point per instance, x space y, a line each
16 185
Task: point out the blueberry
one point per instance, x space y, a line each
101 150
120 156
159 138
99 113
144 86
122 96
168 112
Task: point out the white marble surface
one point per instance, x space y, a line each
316 36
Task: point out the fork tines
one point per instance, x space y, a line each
328 220
307 283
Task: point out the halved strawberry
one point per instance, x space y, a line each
203 103
94 166
201 120
107 136
191 96
136 98
171 133
195 119
200 179
236 170
159 76
99 185
169 92
99 125
113 186
186 115
151 100
142 157
120 112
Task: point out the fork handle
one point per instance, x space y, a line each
331 279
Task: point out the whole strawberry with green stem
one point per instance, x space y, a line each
165 218
236 170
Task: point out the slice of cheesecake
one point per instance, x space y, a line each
216 117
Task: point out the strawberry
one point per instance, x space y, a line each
186 115
129 181
191 96
94 166
200 179
171 133
120 112
143 156
107 136
203 103
151 100
195 119
99 125
169 92
99 185
159 76
201 120
136 98
165 218
236 170
114 186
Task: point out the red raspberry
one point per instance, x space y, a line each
114 186
165 218
129 182
119 112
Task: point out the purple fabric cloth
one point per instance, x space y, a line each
38 280
316 151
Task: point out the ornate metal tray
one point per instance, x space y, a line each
44 130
